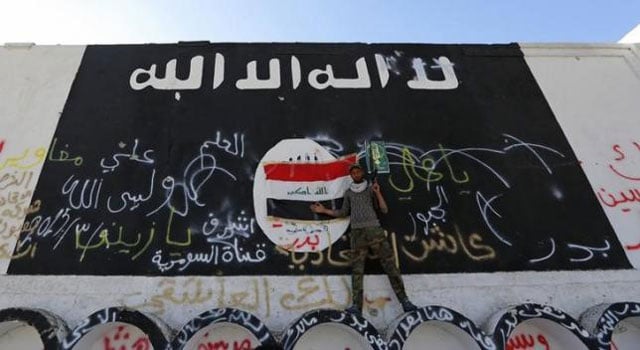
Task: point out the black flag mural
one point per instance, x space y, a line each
203 159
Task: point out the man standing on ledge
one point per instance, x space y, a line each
366 233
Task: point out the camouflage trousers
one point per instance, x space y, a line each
373 239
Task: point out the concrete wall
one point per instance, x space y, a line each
35 85
594 92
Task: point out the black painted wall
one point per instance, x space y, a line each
482 177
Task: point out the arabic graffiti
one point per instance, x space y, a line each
452 174
421 166
62 154
17 189
227 242
224 344
208 321
610 318
28 159
219 179
618 190
224 239
231 328
129 329
309 320
411 321
528 341
318 78
621 156
84 196
50 327
620 168
255 295
18 177
506 326
123 337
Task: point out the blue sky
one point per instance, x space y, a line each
444 21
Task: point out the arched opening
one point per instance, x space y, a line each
539 333
222 335
114 335
19 335
626 335
439 335
335 336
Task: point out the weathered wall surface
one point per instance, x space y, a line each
164 168
594 95
35 85
501 160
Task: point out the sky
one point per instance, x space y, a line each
442 21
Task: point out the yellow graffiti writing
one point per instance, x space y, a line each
61 155
169 240
456 243
424 171
252 294
26 160
190 292
6 252
306 295
341 258
106 240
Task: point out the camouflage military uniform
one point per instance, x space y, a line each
367 235
362 241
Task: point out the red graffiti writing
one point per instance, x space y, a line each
527 341
632 246
617 172
308 241
223 345
121 340
244 344
621 156
612 201
626 197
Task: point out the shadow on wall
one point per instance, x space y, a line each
527 326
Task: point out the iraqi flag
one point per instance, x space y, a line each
292 187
